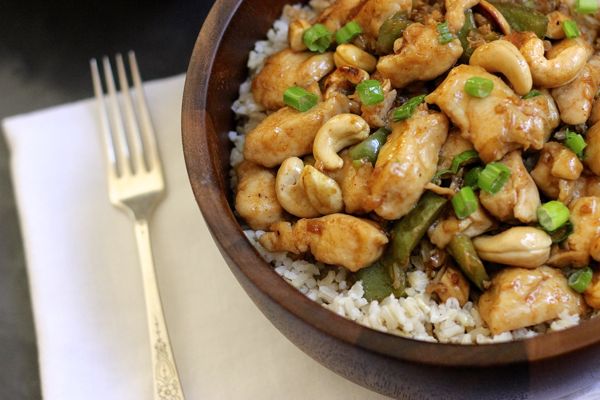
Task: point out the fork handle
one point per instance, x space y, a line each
165 377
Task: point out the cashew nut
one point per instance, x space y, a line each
322 191
339 132
496 16
290 191
296 34
555 25
565 60
520 246
504 57
349 54
455 12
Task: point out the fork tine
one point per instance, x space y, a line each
118 129
104 124
151 149
133 131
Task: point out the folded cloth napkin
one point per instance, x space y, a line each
86 284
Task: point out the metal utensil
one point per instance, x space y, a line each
136 185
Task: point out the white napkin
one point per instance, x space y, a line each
86 284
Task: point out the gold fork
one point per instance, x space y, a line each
136 185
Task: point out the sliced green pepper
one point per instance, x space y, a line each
462 250
463 36
377 282
369 148
391 30
522 18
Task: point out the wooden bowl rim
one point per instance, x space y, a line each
240 254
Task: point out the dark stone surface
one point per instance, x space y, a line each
44 55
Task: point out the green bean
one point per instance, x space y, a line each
391 30
409 231
378 284
462 250
369 148
463 35
522 18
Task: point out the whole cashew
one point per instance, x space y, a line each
349 54
555 25
520 246
339 132
290 191
496 16
455 13
565 60
296 34
322 191
504 57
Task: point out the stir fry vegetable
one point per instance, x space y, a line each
378 284
391 30
523 19
462 250
369 148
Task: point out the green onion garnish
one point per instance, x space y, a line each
552 215
479 87
370 92
493 177
472 177
445 35
586 6
464 202
348 32
575 142
532 94
300 99
317 38
581 279
407 109
459 161
570 28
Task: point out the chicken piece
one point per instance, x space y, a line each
595 115
375 12
354 181
406 163
452 284
256 200
499 123
421 56
519 198
592 151
585 186
575 99
290 133
519 297
592 293
339 13
454 145
442 232
377 114
338 239
288 68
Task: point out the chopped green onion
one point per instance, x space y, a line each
575 142
317 38
445 35
532 94
472 177
479 87
370 92
458 161
407 109
586 6
464 202
348 32
300 99
562 233
493 177
581 279
570 28
552 215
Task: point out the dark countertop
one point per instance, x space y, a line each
44 54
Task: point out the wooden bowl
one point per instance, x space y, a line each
544 367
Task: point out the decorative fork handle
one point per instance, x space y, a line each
165 377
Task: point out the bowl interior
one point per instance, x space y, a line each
216 70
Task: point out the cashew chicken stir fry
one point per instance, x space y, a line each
459 135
